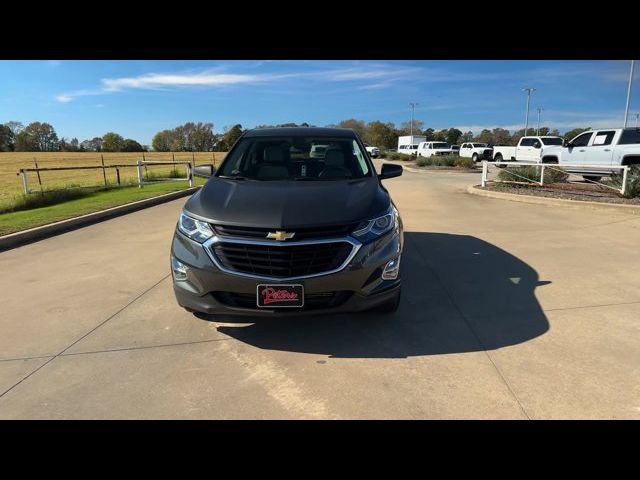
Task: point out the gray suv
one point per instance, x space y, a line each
287 228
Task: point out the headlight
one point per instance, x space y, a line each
194 229
378 226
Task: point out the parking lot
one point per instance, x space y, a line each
509 310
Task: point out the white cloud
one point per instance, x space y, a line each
155 80
64 98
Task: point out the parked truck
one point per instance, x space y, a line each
529 149
408 144
476 151
606 147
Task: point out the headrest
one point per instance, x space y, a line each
334 158
273 154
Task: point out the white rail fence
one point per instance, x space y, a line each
580 170
139 165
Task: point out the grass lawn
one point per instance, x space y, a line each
25 219
12 162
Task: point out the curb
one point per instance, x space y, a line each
25 237
429 170
555 202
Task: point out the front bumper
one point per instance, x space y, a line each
359 282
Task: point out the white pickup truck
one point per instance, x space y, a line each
613 146
373 151
529 149
428 149
476 151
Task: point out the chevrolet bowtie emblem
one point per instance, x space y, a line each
280 235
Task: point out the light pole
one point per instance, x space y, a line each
538 129
526 118
637 115
413 107
626 110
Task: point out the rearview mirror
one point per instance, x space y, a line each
205 171
389 171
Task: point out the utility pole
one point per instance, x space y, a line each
538 129
637 115
626 110
413 107
526 118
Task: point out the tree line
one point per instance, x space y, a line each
200 137
42 137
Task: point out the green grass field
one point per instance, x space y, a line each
25 219
12 162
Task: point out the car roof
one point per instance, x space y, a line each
301 132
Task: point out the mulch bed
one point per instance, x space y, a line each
570 191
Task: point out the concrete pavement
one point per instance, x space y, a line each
509 310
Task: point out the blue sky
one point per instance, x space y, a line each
85 99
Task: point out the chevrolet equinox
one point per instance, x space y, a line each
295 221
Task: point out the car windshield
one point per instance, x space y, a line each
296 158
552 141
440 145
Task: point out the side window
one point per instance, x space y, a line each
582 140
361 160
603 138
526 142
629 136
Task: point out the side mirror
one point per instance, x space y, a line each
389 171
568 144
537 145
205 171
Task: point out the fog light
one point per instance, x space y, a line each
179 269
391 270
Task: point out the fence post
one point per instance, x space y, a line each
485 169
624 180
118 175
104 175
25 181
542 175
139 163
190 169
38 172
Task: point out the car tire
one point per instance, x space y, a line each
592 178
475 158
391 306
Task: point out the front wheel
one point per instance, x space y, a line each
475 158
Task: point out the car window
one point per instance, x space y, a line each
604 138
293 158
630 135
552 141
527 142
582 140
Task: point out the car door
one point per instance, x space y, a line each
601 150
576 152
524 151
465 151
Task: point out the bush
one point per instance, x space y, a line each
532 174
399 156
633 181
463 162
437 161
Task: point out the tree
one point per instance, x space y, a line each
405 127
162 141
7 139
37 137
428 134
440 136
15 127
357 125
571 134
190 137
381 134
467 136
93 145
230 136
112 142
130 145
452 136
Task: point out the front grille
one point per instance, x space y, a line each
282 261
312 301
300 233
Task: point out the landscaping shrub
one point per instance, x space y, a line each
437 161
633 181
463 162
400 156
532 174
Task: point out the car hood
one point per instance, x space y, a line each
288 204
